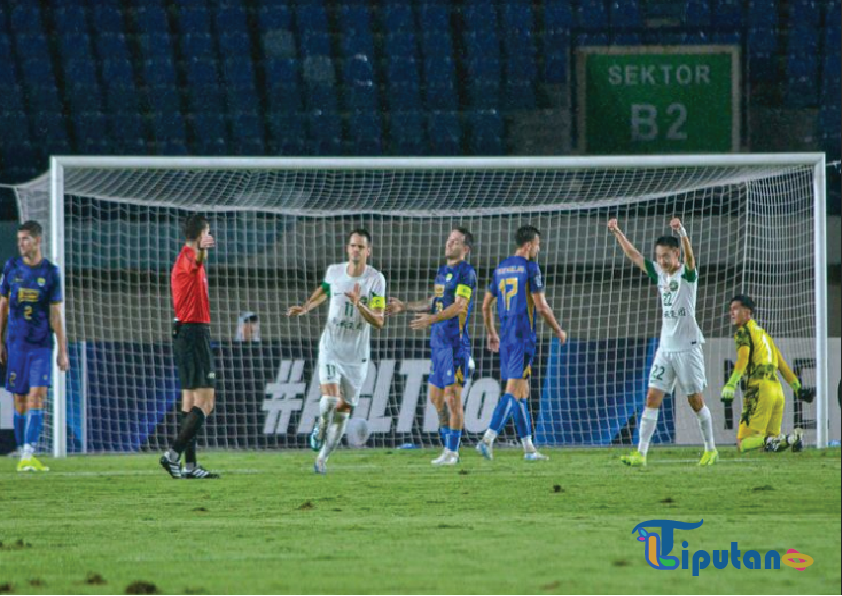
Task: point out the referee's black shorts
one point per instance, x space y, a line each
193 356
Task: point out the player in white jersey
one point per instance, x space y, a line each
678 360
357 294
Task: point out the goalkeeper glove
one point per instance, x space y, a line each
727 393
796 386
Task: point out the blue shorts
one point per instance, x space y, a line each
516 361
27 369
448 368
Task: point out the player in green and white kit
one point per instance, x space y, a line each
679 358
357 295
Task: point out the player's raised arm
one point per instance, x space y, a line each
57 324
396 306
492 340
316 298
689 256
628 248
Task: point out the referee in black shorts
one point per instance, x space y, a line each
191 346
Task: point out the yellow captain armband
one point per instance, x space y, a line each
378 302
464 291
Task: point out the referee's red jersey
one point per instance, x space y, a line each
189 282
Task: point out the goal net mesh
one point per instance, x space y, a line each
278 229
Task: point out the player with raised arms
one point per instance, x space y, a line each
357 295
678 359
30 308
763 400
518 289
447 314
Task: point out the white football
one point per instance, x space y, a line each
356 433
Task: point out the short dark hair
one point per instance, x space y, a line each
469 238
668 241
360 232
31 226
194 225
526 234
745 301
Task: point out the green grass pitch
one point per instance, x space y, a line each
385 521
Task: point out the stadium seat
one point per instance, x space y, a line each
556 53
247 134
107 18
802 80
365 133
485 133
804 14
398 18
406 133
400 45
697 13
325 138
208 133
728 13
92 136
591 14
168 133
624 13
287 134
26 18
435 16
762 13
444 132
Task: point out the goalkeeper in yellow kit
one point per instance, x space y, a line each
763 400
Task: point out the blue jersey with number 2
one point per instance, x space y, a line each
31 291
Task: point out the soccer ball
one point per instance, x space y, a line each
356 433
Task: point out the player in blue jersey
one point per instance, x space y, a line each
30 310
448 313
518 289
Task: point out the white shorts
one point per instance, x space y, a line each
350 378
686 369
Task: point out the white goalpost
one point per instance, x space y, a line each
113 226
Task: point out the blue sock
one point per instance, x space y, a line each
20 426
502 413
34 420
443 434
523 421
455 438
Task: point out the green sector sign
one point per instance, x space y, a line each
658 99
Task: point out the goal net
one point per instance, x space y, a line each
114 227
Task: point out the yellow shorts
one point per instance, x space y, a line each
763 410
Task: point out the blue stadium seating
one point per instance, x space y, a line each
591 14
108 18
406 133
804 14
247 133
762 13
325 136
208 132
288 134
445 132
26 18
697 13
728 13
168 133
365 133
485 133
92 136
624 13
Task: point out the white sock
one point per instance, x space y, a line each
648 422
27 451
334 433
706 426
489 436
528 447
326 406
